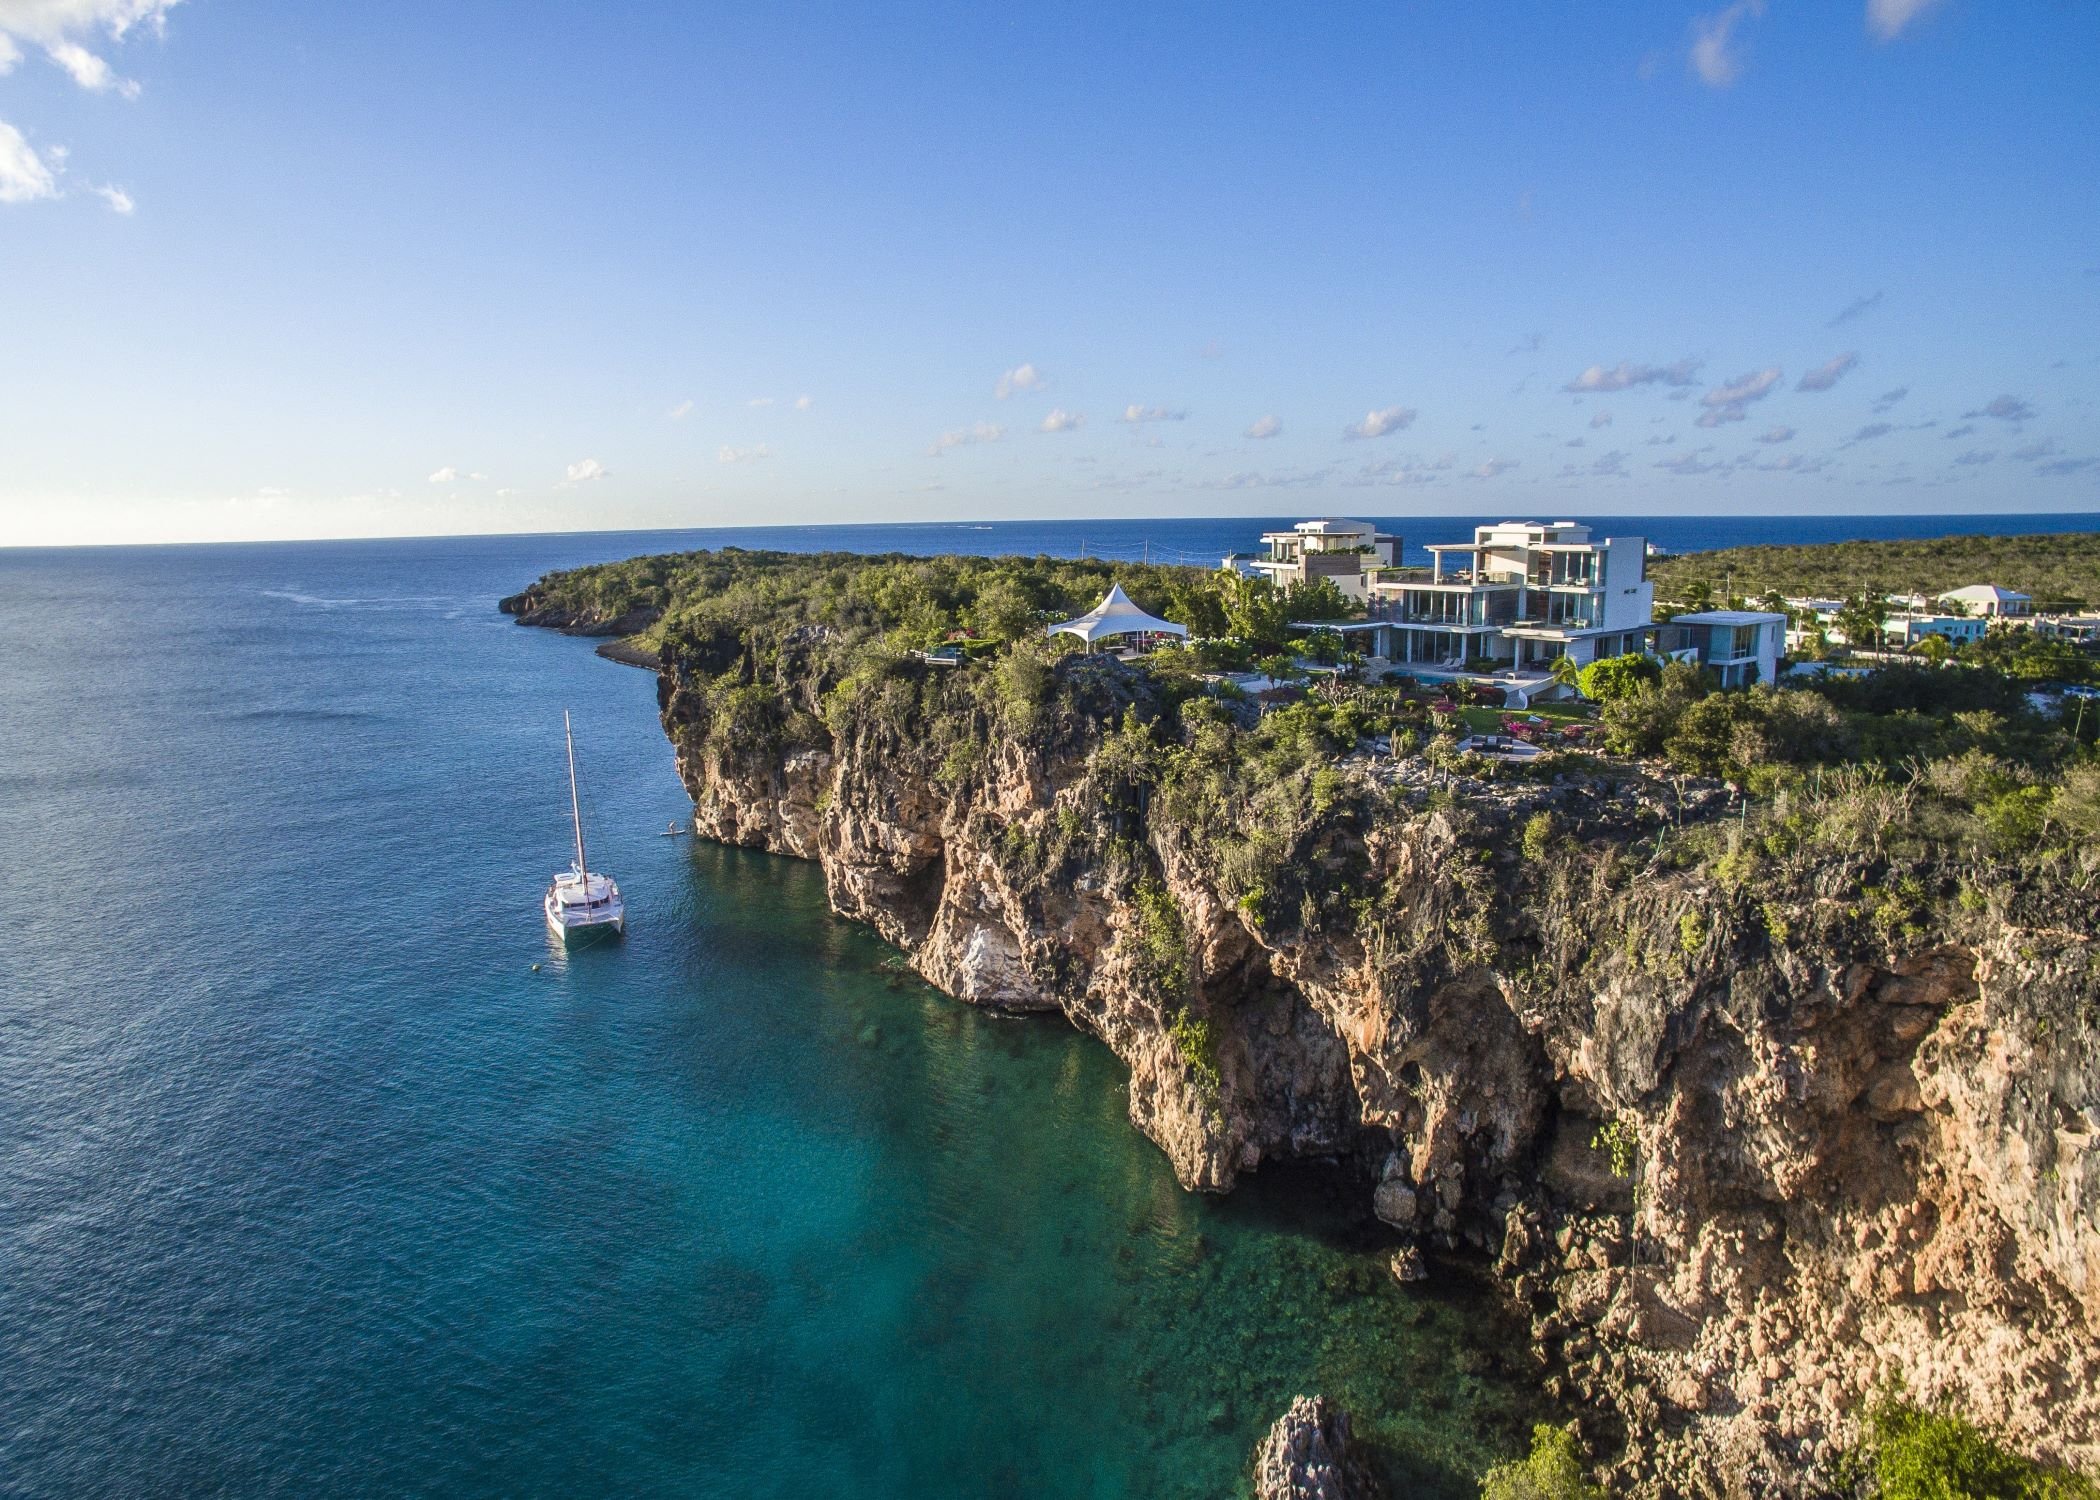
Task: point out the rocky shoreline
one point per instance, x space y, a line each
1744 1156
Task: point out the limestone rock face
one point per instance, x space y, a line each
1307 1456
1741 1154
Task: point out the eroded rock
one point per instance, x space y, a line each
1307 1456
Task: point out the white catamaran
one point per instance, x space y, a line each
580 903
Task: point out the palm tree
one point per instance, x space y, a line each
1566 674
1935 649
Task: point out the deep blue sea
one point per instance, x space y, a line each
322 1172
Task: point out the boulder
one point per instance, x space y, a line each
1307 1456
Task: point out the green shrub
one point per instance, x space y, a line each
1198 1048
1553 1471
1617 1140
1940 1455
1162 941
1614 677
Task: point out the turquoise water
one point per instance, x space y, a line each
309 1183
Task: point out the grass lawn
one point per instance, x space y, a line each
1489 720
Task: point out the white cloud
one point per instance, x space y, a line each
24 175
1493 467
1725 403
1752 387
585 469
446 475
1855 308
1693 462
1715 56
87 70
118 200
757 401
1624 376
1264 427
1827 374
1136 413
1061 420
1411 470
1601 419
1019 378
681 411
2005 409
56 25
728 455
965 437
803 403
1794 463
1887 19
1776 435
1378 423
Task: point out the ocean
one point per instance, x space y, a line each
323 1172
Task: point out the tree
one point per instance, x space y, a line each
1698 595
1775 602
1566 673
1639 722
1197 603
1615 676
1254 611
1003 611
1318 599
1861 619
1935 649
1325 647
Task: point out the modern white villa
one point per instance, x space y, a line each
1512 600
1346 553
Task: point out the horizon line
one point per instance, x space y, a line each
471 536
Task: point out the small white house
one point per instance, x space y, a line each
1989 601
1741 646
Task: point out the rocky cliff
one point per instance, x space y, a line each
1749 1141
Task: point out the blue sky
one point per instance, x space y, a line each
272 270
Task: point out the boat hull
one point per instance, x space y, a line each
588 912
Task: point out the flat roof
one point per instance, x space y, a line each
1727 617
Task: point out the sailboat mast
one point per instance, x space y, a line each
575 808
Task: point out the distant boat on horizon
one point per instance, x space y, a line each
579 902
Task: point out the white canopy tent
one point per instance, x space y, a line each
1116 615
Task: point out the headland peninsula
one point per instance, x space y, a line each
1743 1023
